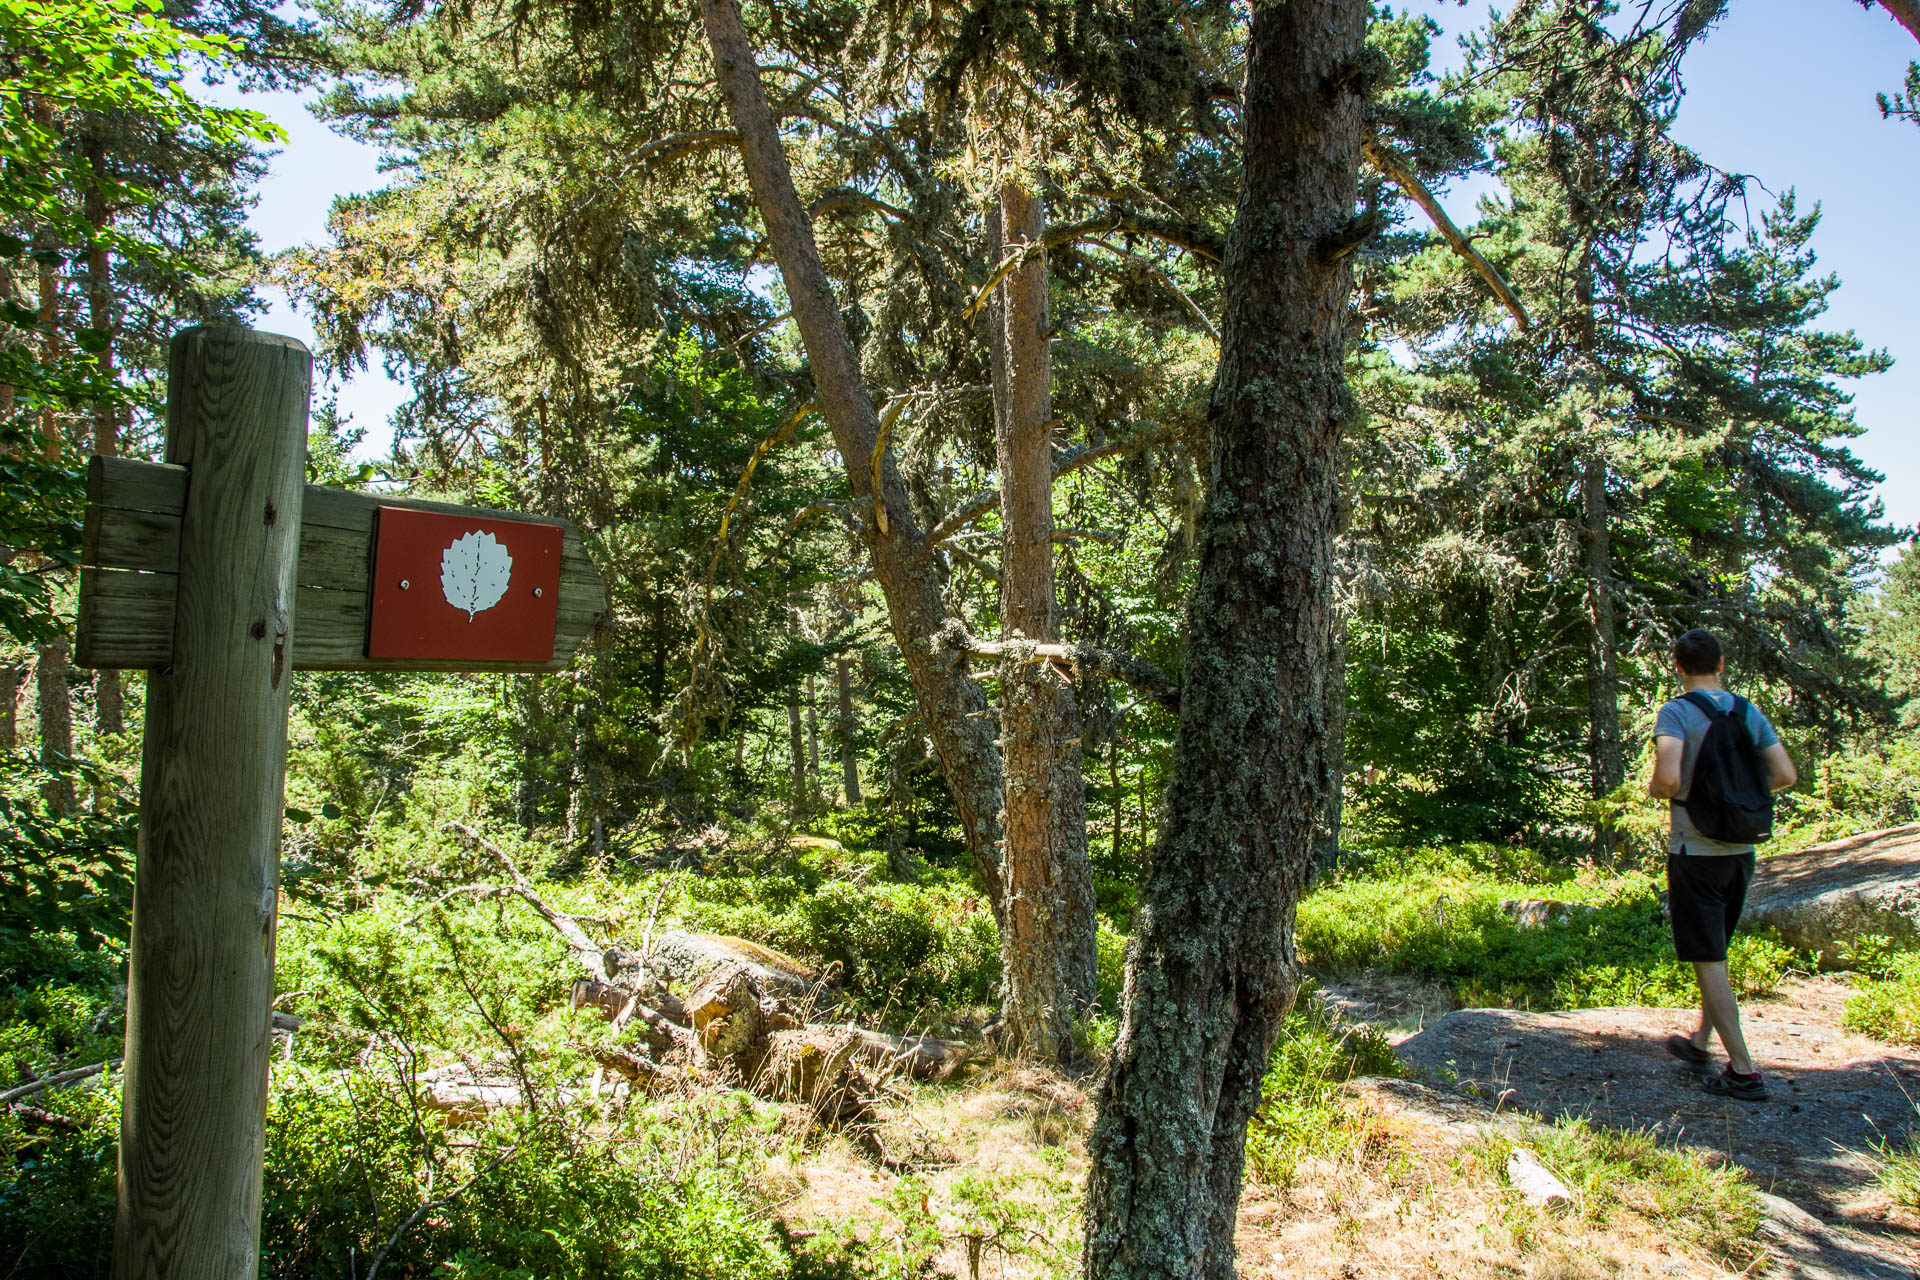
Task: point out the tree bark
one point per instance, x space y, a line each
849 764
797 755
953 704
108 691
1608 758
11 678
1906 13
1047 944
56 725
1326 853
1210 966
813 742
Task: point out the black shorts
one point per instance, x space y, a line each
1705 893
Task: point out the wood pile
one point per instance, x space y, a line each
746 1021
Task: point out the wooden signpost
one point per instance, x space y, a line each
221 572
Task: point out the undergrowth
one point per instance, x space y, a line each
1437 914
1886 999
1304 1111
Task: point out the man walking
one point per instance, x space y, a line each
1707 877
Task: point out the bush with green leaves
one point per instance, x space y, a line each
1303 1112
1440 917
62 873
906 950
1886 999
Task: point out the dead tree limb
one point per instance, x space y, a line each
1110 664
1397 171
53 1081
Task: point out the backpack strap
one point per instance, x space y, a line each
1708 705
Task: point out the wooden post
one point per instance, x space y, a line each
200 985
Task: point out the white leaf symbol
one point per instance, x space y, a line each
474 572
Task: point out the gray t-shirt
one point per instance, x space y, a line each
1681 719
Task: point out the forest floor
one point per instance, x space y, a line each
1416 1186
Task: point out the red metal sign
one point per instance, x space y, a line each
463 587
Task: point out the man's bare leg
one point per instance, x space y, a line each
1720 1011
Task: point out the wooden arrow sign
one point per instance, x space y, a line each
346 616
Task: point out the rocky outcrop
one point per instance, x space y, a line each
1835 1094
1822 898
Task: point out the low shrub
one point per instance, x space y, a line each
902 949
1886 1002
1441 919
1303 1111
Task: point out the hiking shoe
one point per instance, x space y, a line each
1683 1049
1731 1084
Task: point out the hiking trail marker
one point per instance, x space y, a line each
221 572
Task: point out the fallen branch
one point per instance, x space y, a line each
429 1206
637 1067
57 1078
920 1057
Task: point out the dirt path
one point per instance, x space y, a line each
1835 1096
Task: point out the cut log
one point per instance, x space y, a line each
816 1066
464 1101
919 1057
637 1067
1535 1182
729 1027
690 958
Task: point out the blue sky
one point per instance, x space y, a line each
1782 90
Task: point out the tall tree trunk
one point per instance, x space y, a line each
849 762
49 308
11 678
1047 945
108 691
1326 853
56 725
797 754
813 742
949 698
1608 757
1210 967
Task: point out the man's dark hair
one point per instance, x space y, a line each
1698 652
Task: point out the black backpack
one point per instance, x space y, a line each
1729 799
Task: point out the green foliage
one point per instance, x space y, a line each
62 873
907 950
39 507
536 1197
1303 1112
1440 919
1886 999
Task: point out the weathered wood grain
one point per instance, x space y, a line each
131 549
206 888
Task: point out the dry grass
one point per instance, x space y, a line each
1411 1195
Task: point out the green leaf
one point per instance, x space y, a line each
329 810
93 341
11 246
298 815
